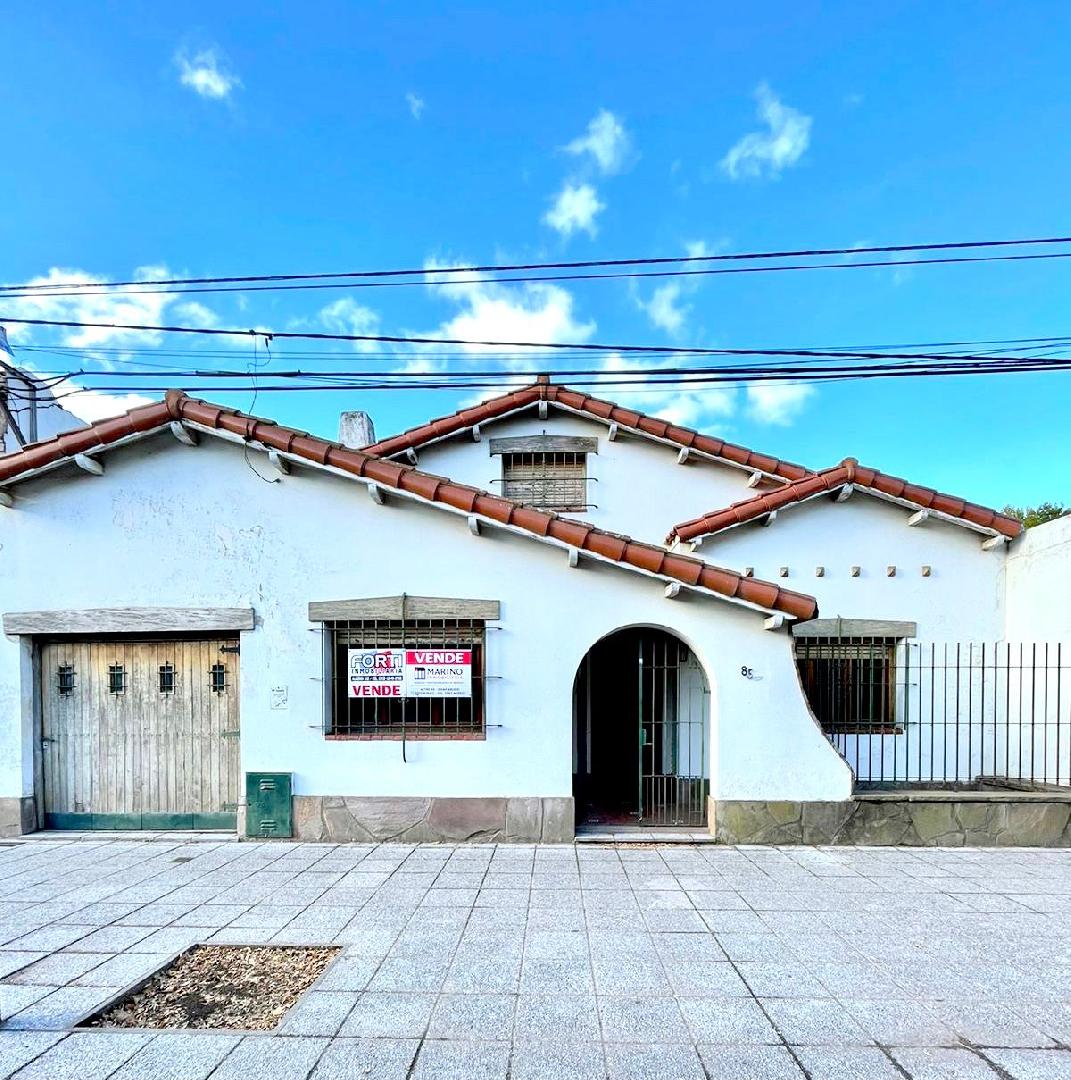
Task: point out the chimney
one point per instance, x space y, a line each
355 430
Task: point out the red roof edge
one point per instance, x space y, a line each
849 471
607 411
435 489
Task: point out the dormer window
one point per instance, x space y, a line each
546 471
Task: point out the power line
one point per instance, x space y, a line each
425 282
423 271
554 347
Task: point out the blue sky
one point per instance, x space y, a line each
211 139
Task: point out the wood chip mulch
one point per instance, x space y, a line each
221 986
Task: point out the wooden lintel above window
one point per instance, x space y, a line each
404 607
855 628
544 444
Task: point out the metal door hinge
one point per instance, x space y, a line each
229 734
230 648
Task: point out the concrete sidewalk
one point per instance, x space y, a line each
481 962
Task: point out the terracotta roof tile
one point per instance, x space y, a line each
848 471
543 390
391 474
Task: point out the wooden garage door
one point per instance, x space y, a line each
140 734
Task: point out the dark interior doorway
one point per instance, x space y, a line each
640 732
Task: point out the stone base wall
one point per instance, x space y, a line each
18 816
422 820
919 819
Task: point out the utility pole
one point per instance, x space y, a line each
7 373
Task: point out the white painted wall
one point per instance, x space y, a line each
169 525
1038 584
961 600
637 486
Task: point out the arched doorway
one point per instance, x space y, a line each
641 738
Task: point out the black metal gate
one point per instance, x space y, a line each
641 703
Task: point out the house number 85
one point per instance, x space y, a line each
747 672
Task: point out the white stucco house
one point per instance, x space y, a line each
212 620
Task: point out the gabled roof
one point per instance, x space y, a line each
606 411
849 473
182 412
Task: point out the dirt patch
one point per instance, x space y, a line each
221 986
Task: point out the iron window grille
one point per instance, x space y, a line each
217 678
548 480
394 718
65 679
116 679
850 683
167 678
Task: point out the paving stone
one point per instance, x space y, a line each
171 939
900 1023
818 1022
556 1060
943 1063
61 1009
636 1061
702 978
48 938
56 970
847 1063
409 973
749 1063
628 975
318 1013
347 973
389 1015
992 1025
561 1017
472 1016
180 1055
10 962
369 1059
443 1060
642 1019
85 1056
122 970
766 979
557 976
110 939
272 1058
15 998
733 1021
19 1047
1033 1064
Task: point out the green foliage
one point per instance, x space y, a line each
1037 515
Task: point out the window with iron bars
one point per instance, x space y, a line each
550 481
393 718
850 683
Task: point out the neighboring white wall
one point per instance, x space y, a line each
961 600
52 419
169 525
1038 584
637 486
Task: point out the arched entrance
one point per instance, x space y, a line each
641 732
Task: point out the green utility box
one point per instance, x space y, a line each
267 804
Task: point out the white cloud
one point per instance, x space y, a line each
696 406
132 307
767 152
777 402
193 313
93 405
206 73
416 104
346 316
574 209
664 309
606 141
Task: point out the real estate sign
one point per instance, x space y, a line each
438 673
376 673
417 673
